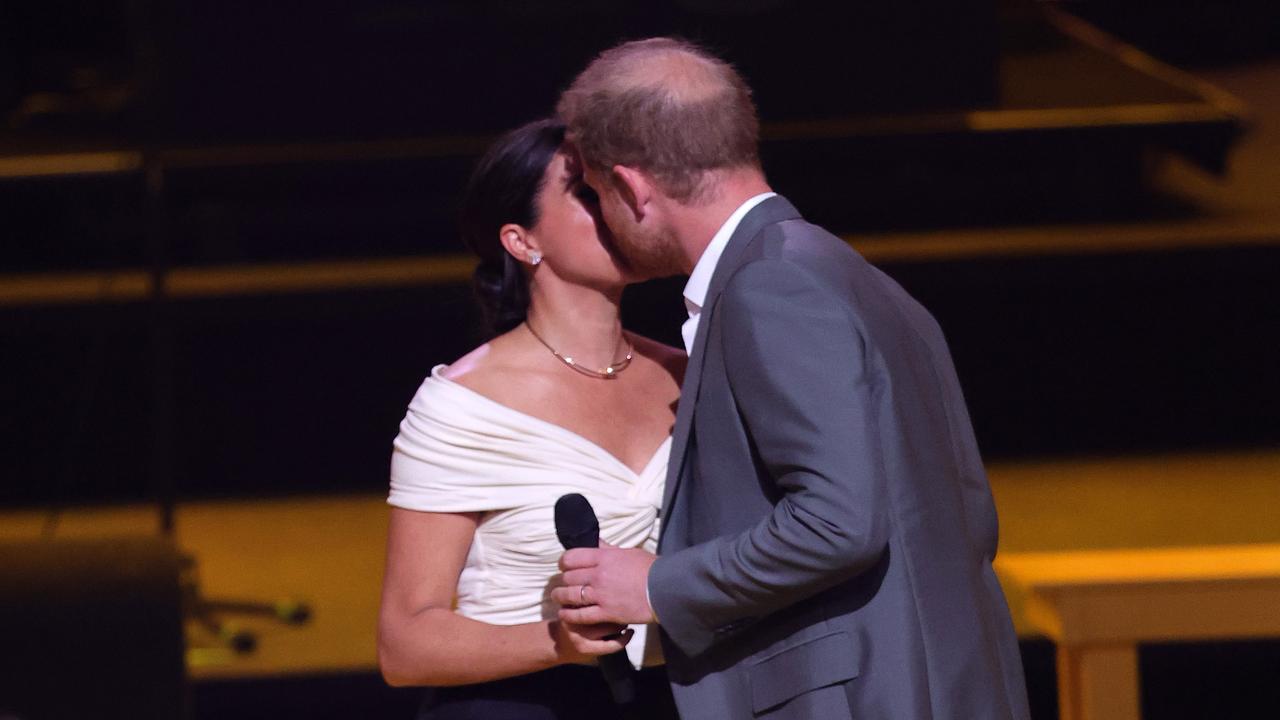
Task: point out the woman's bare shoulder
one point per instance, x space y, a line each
489 368
477 362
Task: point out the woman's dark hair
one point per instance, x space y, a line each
504 189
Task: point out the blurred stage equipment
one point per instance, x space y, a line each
95 66
247 70
208 612
1189 31
90 629
877 115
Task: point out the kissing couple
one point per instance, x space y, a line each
794 517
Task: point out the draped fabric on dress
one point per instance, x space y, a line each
459 451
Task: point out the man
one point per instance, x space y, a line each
828 529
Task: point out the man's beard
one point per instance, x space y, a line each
649 256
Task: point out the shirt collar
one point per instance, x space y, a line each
695 291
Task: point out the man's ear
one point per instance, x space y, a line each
520 243
635 188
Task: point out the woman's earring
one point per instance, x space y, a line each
535 257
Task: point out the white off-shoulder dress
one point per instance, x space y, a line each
459 451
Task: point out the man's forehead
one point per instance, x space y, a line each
576 166
572 159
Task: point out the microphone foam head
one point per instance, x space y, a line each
576 523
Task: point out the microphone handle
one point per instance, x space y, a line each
618 672
619 675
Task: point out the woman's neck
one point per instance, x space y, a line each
579 322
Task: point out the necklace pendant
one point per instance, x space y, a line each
607 373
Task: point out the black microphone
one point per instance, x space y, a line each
577 527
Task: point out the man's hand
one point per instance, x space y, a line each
605 585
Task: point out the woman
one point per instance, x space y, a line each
562 400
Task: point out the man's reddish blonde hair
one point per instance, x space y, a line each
664 106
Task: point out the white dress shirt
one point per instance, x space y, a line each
695 291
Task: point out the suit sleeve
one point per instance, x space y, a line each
796 368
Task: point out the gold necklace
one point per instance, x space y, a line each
605 373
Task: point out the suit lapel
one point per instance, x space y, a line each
774 210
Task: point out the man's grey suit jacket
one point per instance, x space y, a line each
828 529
